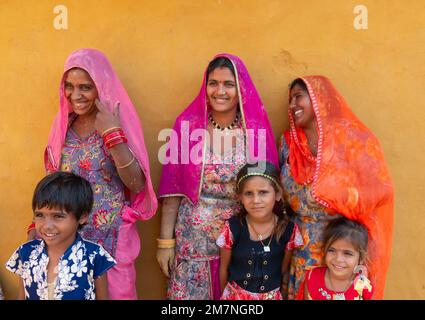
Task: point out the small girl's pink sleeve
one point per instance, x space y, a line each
296 240
225 239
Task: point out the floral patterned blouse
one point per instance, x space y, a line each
311 218
198 226
90 159
80 265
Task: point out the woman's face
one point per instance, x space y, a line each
222 92
301 108
80 91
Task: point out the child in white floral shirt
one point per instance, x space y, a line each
61 265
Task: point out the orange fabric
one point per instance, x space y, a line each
349 174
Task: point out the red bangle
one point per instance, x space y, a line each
118 133
112 129
31 227
113 138
115 142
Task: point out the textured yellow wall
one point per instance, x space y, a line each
160 48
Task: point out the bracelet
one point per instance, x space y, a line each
114 139
166 243
111 144
110 130
109 136
128 164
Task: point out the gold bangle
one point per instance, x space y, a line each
166 243
110 130
128 164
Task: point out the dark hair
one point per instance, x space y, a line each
65 191
343 228
220 62
300 82
271 173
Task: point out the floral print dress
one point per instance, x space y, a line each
90 159
198 226
82 263
311 218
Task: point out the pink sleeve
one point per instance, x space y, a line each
225 239
296 240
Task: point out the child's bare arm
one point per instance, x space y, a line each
101 288
21 290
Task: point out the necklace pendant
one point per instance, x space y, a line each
338 296
266 249
260 237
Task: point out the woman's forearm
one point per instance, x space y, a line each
170 209
128 167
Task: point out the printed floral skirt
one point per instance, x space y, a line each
234 292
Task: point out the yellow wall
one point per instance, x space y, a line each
160 48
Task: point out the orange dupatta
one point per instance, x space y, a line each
349 174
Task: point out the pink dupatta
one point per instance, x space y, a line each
110 90
184 179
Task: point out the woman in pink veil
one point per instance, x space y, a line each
97 135
224 127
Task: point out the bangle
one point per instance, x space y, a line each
115 141
166 243
31 227
128 164
110 130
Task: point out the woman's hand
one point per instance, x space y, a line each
165 258
106 119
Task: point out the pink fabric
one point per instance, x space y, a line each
184 178
110 89
122 277
215 278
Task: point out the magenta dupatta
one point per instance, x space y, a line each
110 90
183 179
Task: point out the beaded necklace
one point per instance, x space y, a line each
229 127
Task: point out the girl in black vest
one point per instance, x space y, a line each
256 245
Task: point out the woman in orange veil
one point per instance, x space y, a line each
333 165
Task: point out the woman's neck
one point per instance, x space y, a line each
312 138
224 119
